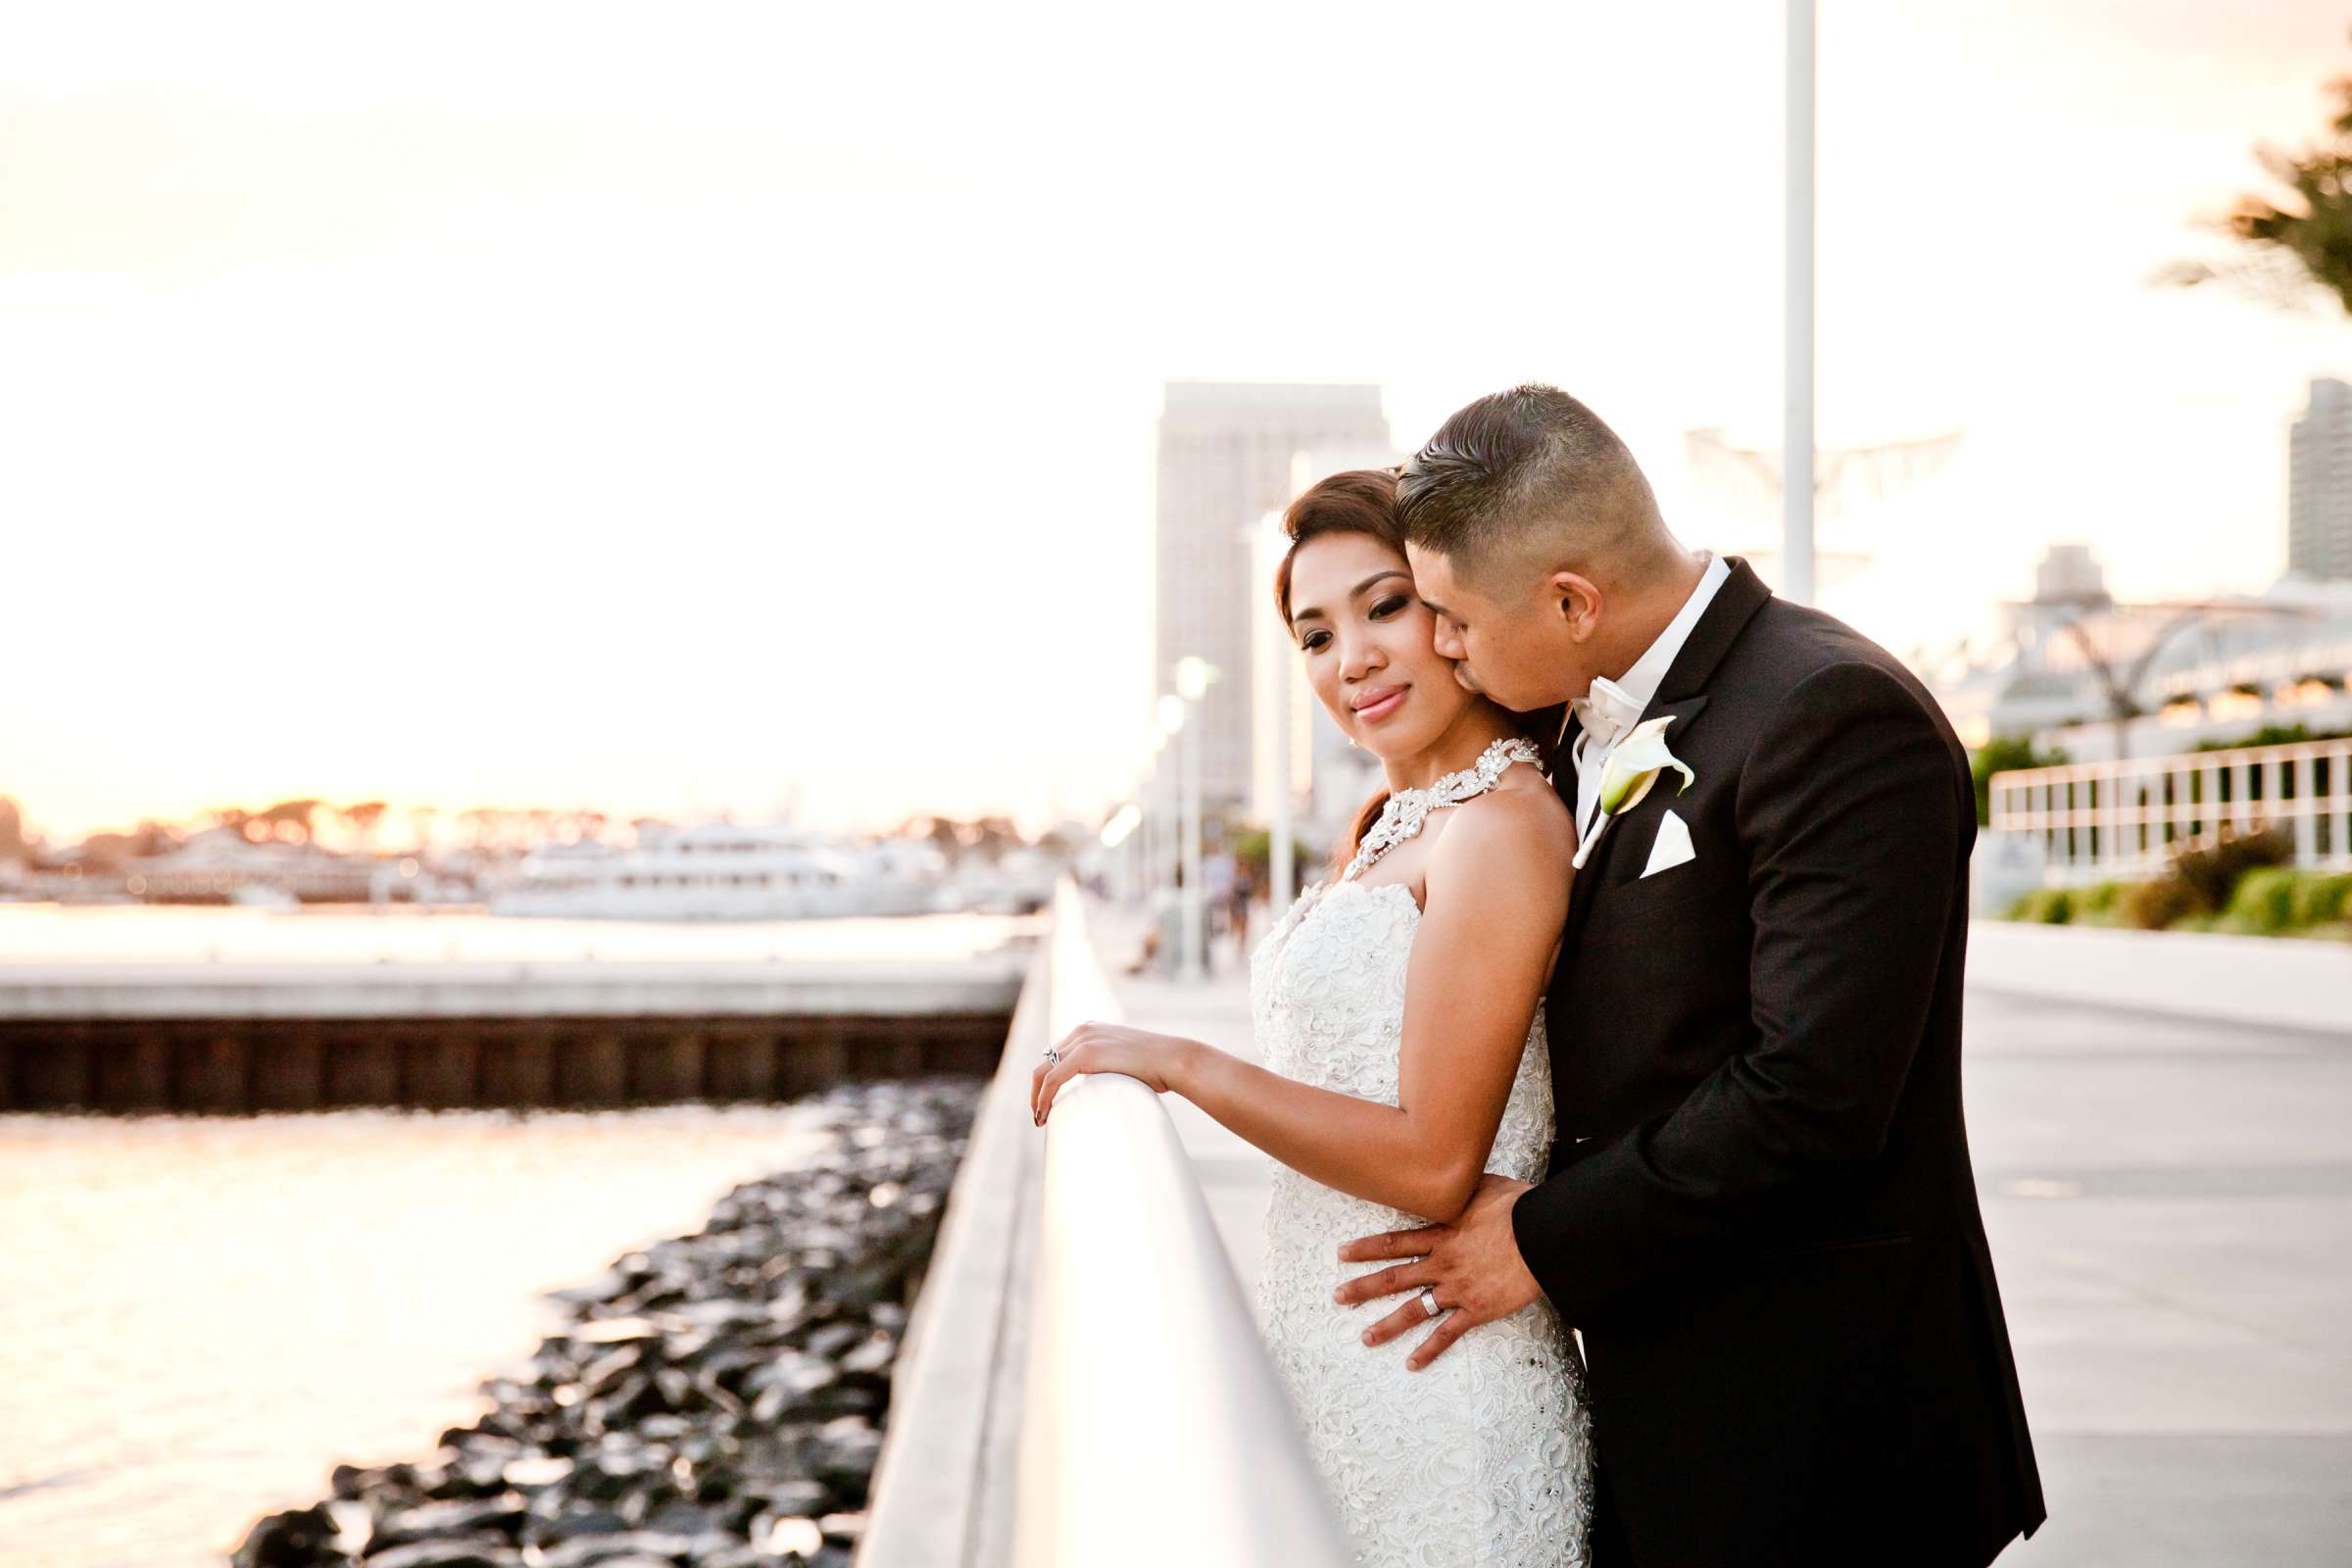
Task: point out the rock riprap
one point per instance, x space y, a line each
717 1400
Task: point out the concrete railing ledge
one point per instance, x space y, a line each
1083 1381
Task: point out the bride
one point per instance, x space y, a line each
1397 1011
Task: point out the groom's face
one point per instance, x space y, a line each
1510 641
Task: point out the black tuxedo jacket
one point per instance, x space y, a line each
1759 1210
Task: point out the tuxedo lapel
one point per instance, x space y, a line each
1682 696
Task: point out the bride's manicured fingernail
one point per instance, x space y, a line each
1367 1335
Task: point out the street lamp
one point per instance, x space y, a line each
1194 676
1160 808
1796 407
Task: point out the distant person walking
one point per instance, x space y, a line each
1218 875
1236 908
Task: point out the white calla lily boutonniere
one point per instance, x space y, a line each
1634 765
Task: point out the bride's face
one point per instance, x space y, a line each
1366 637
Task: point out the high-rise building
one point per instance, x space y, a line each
2319 484
2069 575
1226 459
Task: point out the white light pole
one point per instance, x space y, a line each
1153 850
1797 424
1120 845
1193 677
1281 873
1167 753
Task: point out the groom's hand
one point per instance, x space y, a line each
1473 1265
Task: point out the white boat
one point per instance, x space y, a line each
720 871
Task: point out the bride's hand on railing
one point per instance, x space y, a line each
1155 1059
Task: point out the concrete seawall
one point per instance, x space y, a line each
237 1037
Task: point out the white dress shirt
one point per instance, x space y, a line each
1615 706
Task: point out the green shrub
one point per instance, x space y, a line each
2323 900
2045 907
2100 904
2004 754
2264 902
2272 735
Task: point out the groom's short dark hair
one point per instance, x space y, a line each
1530 473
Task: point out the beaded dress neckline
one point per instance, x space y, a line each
1407 809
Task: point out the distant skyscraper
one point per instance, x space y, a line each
2319 484
2068 574
1225 452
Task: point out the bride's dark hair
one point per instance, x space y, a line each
1356 501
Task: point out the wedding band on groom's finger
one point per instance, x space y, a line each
1429 1299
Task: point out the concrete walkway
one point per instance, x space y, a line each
2170 1203
2285 982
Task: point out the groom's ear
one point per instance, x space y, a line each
1579 600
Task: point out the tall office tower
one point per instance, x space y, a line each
1226 457
2319 484
2068 574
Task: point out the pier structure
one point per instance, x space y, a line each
256 1033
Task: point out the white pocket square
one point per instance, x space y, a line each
1670 848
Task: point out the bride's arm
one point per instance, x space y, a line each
1496 893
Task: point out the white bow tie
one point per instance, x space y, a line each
1605 714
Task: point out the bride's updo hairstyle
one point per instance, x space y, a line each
1356 501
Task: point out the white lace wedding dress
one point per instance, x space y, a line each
1482 1458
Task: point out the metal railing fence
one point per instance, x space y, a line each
2119 820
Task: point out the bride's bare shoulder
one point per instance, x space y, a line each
1517 828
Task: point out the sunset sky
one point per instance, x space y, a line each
672 410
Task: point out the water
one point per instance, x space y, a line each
203 1315
199 1316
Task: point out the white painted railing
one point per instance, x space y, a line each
1154 1430
1083 1381
2094 821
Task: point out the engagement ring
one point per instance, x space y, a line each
1053 1055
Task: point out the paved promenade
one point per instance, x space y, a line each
2170 1204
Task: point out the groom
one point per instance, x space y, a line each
1759 1212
